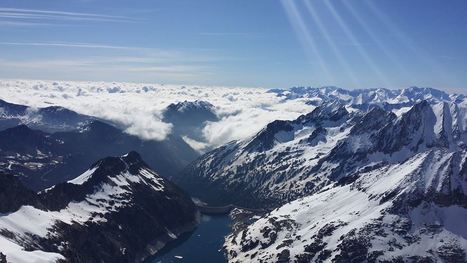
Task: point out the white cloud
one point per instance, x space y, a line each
69 44
47 15
138 107
249 113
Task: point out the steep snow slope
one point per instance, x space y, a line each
291 159
117 211
409 212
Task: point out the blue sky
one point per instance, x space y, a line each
268 43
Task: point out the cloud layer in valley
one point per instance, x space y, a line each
139 107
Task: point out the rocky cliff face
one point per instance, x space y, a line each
407 212
117 211
13 194
332 144
382 188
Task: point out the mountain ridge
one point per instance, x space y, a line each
44 159
120 211
296 158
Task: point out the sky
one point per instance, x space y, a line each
260 43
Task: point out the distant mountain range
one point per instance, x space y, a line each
117 211
48 119
388 99
42 160
50 145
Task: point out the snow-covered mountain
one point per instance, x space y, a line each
350 186
42 159
49 119
333 144
188 119
117 211
389 99
413 211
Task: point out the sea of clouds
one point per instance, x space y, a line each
139 107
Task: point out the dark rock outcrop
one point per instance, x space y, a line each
120 210
13 194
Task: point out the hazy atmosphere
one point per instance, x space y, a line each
357 44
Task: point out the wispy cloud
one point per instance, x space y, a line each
24 23
125 63
68 44
17 16
118 61
138 54
227 34
107 68
44 63
172 70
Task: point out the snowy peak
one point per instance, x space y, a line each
192 113
280 131
110 167
416 126
291 159
276 131
363 98
111 174
424 125
197 105
373 120
418 94
443 128
332 112
98 216
189 118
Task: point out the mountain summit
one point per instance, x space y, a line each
119 210
372 187
291 159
